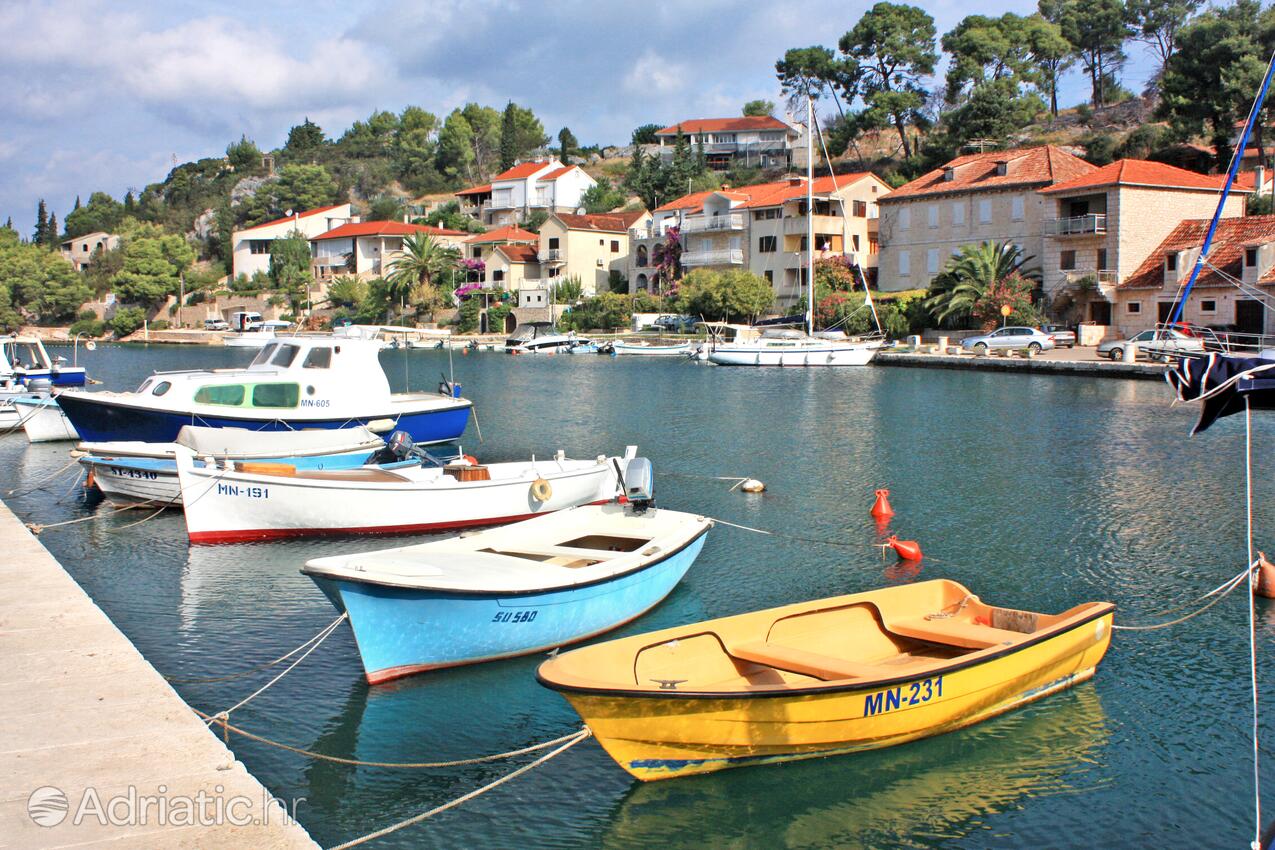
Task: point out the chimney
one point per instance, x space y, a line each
355 219
1259 180
949 172
795 181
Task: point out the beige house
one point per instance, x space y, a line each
367 249
975 198
588 247
515 193
1240 270
752 141
1101 226
80 249
764 229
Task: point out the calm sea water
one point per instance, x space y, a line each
1037 492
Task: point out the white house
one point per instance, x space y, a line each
760 141
512 195
368 248
251 246
80 249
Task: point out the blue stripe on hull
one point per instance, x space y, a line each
97 422
401 631
70 377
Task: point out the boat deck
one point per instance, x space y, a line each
80 709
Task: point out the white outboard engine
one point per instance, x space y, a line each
40 385
639 484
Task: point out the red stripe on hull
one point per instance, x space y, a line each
253 534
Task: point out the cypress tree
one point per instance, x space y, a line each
8 225
77 203
41 223
129 202
508 138
51 234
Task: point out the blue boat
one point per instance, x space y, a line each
24 359
516 590
295 383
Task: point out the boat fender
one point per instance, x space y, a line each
541 490
1265 583
90 480
881 508
907 550
752 485
470 459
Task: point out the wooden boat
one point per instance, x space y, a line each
820 678
523 588
42 419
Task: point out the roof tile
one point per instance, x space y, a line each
766 194
288 218
725 125
508 233
1026 167
384 228
1226 253
1141 172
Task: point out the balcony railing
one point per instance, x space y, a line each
722 257
1079 225
1103 277
697 224
552 255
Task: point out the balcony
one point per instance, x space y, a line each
796 225
722 257
553 255
1094 224
717 223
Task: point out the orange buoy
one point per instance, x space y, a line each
881 508
471 460
907 550
1265 584
465 351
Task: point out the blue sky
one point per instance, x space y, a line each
106 96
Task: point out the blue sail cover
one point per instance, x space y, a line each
1223 384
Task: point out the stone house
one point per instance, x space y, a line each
81 249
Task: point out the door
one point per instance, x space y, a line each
1100 312
1248 316
1165 311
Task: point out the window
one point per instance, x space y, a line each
768 244
318 358
904 263
763 215
231 395
259 246
553 243
161 388
1102 258
985 212
1016 211
932 261
477 253
1134 307
275 395
1205 307
615 246
958 212
932 215
1171 262
770 276
498 275
1067 260
265 355
854 238
1250 257
757 215
804 244
905 218
859 209
287 353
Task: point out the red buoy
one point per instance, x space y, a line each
907 550
882 507
1265 584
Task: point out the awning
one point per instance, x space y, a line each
1224 385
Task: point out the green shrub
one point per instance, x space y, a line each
86 315
467 320
160 325
126 320
88 327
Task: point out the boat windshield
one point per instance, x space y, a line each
264 357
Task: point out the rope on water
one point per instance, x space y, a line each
513 774
417 765
41 480
1222 592
223 717
36 527
203 680
841 544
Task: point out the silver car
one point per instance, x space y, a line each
1148 344
1011 337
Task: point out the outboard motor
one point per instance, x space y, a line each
638 483
400 446
40 385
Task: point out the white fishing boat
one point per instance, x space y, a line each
23 359
646 349
42 419
136 473
416 494
260 334
293 384
539 338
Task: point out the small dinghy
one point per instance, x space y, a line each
646 349
145 474
42 419
524 588
820 678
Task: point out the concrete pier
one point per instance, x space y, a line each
91 732
1034 365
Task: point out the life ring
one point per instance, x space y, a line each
541 491
470 459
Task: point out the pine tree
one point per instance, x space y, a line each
8 225
77 203
130 204
51 233
41 223
508 138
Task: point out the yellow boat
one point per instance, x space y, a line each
820 678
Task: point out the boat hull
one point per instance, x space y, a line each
401 631
69 376
104 420
831 355
682 350
662 735
228 507
44 422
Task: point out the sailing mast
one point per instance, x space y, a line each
810 216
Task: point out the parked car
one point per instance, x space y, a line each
1011 337
675 324
216 325
1153 343
1063 336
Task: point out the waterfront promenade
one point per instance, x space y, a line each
1068 361
91 732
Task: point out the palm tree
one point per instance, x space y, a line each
413 272
972 275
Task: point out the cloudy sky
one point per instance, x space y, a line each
108 95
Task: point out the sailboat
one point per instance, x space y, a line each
788 346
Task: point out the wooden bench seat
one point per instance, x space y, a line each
566 551
954 632
794 660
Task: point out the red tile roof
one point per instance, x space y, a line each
767 194
609 222
508 233
384 228
726 125
484 189
524 170
554 175
1026 167
288 218
1227 252
1141 172
519 253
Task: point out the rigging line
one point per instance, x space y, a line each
1231 172
1252 625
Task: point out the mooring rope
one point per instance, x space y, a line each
36 484
514 774
203 680
1223 591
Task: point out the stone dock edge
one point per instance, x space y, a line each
96 748
1141 371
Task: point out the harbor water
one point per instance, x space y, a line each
1036 492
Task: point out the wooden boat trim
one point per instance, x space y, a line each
470 592
840 686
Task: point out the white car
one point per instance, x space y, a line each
1011 337
1151 343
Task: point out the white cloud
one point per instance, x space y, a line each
651 74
